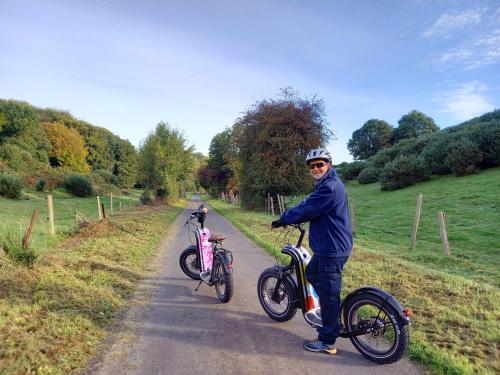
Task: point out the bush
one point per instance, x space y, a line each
368 175
78 185
463 156
11 186
435 153
350 171
102 176
488 138
11 242
403 171
382 157
41 185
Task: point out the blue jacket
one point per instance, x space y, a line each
326 209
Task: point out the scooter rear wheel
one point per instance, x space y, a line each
190 263
281 310
388 338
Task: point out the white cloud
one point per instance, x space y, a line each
465 101
484 50
450 22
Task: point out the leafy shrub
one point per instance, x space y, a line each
382 157
368 175
11 242
102 177
11 186
435 153
403 171
78 185
12 155
350 171
488 138
412 146
19 160
463 156
41 185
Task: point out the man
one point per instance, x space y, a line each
330 238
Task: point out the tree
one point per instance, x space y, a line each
162 160
19 125
413 125
369 139
68 148
125 165
273 137
222 163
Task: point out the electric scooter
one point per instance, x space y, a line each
371 318
208 256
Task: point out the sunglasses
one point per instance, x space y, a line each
316 165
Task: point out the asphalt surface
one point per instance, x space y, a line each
171 329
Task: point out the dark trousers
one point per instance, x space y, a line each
325 275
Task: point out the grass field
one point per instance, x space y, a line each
53 315
455 300
16 214
472 207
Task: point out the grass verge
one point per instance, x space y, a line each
455 328
53 315
17 213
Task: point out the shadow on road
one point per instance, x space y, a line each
179 314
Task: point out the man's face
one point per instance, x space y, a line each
318 168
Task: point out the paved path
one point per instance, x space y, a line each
170 329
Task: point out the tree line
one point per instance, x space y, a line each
417 149
264 150
44 146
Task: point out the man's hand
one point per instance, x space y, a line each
277 224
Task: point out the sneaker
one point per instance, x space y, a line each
206 275
318 346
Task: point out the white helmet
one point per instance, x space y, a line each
319 153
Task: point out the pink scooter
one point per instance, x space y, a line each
207 261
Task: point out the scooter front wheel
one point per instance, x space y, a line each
282 308
190 263
387 335
224 283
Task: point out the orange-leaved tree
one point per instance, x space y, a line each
68 149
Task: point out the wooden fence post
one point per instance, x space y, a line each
353 215
111 203
268 204
99 211
51 215
120 204
417 220
27 236
279 203
272 205
103 212
442 231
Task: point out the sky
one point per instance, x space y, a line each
198 65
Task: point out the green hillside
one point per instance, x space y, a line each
47 143
472 207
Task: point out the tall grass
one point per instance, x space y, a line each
11 243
